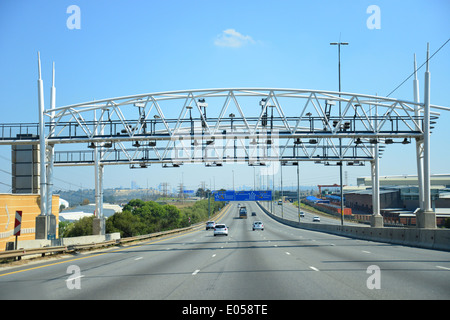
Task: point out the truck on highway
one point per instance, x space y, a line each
243 212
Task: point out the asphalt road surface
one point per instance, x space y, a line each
280 262
290 212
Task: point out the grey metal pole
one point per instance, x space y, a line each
51 150
340 142
233 178
209 205
340 115
298 189
100 184
96 173
377 218
426 142
419 142
282 194
42 144
377 181
427 217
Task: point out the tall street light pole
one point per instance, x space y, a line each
340 115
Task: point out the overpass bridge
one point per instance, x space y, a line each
260 126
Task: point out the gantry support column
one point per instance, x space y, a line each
426 218
45 222
419 141
376 219
98 224
51 233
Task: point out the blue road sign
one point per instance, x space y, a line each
231 195
224 196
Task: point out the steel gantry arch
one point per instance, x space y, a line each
291 113
223 125
258 126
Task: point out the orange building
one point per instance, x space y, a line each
29 204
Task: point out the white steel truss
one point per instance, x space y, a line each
220 125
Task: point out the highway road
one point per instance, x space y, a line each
280 262
290 212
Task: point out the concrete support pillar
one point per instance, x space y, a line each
98 226
45 227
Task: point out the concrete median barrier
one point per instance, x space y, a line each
438 239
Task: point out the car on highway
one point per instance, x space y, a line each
258 225
210 225
253 213
220 229
302 214
316 219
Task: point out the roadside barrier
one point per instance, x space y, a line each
438 239
88 246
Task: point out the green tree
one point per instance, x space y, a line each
125 222
82 227
63 228
172 217
143 217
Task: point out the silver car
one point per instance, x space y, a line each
316 219
220 230
258 225
210 225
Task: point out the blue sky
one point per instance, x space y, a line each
131 47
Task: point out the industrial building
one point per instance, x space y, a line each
441 180
399 198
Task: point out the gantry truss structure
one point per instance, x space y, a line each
216 126
258 126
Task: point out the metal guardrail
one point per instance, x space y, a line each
72 248
23 252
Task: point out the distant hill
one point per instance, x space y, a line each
116 196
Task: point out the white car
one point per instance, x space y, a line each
210 225
316 219
220 229
258 225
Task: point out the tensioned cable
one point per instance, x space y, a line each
419 68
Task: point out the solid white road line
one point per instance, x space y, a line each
442 268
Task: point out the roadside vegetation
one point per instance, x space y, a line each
140 217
